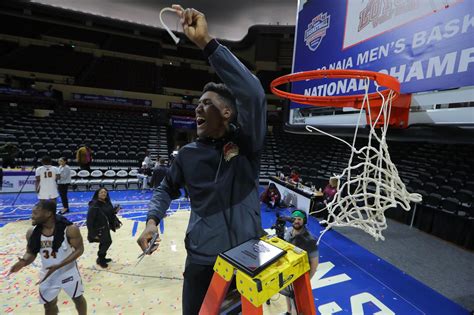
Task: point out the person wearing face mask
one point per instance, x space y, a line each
220 169
301 237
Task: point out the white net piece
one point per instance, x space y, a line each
370 183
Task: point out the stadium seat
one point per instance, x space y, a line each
122 180
96 181
133 182
55 154
67 154
426 211
122 155
83 180
42 152
29 154
49 146
465 197
445 223
446 191
109 181
38 145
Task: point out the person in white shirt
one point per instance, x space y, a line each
46 177
148 161
63 183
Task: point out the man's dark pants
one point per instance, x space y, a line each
196 282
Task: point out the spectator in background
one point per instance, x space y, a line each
330 190
84 157
295 176
8 153
64 182
174 154
46 177
271 196
145 170
147 160
101 218
144 175
301 237
328 195
159 172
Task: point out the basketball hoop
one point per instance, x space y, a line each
399 110
371 180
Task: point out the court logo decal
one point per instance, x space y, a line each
7 184
316 30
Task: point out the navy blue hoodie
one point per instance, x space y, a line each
225 208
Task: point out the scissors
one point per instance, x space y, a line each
148 249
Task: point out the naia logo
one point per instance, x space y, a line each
316 30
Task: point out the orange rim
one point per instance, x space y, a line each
384 80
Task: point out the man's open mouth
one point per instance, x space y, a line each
200 121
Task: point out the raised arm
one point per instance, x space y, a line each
247 89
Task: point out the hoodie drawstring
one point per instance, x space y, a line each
219 167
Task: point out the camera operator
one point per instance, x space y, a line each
299 236
279 225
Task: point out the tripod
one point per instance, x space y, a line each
24 183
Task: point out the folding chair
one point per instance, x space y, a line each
82 181
96 182
122 180
109 182
133 182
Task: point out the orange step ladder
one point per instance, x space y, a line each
291 268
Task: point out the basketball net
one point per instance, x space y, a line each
174 37
371 183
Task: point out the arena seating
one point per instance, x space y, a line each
54 60
119 140
123 74
73 34
6 47
133 46
440 172
14 25
266 77
178 77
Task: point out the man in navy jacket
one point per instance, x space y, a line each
220 170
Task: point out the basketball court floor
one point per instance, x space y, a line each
349 280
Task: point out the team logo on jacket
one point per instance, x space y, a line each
230 150
316 30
